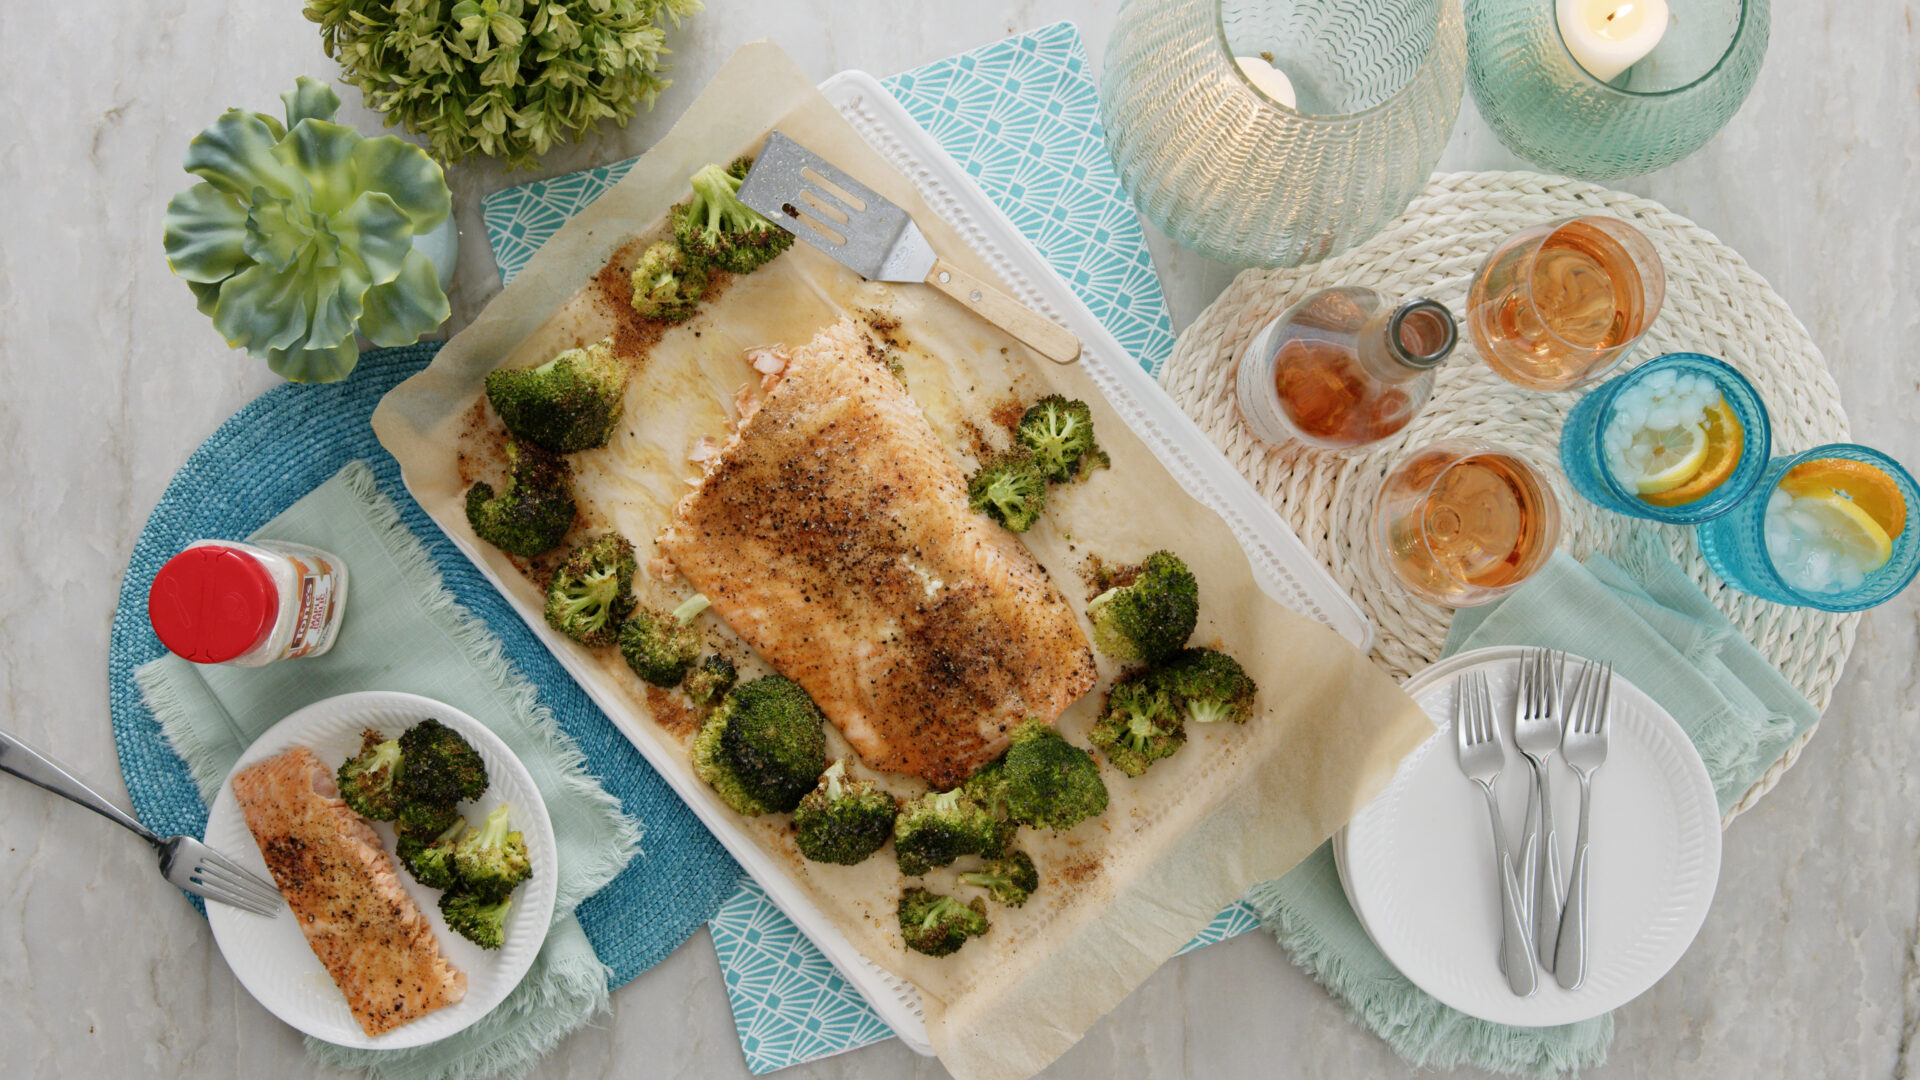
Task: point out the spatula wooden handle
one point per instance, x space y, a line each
1053 342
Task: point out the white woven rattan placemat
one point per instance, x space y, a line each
1715 304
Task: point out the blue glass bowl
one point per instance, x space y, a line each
1735 544
1583 456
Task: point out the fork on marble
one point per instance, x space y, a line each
185 862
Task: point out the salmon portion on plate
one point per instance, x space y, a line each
341 884
832 533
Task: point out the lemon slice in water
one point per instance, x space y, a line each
1849 530
1661 460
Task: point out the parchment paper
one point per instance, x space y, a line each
1119 894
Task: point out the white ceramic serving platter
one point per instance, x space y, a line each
1282 565
1417 863
271 957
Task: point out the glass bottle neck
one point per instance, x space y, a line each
1408 340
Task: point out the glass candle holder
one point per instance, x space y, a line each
1563 303
1463 523
1735 440
1750 547
1549 109
1225 164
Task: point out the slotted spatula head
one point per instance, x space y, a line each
810 198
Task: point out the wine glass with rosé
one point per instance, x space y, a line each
1831 528
1679 439
1462 522
1561 304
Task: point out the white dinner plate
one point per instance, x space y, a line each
1417 863
271 957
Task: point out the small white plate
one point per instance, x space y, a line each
1417 863
271 957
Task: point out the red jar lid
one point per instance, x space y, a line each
211 604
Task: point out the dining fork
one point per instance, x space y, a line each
1584 745
185 862
1536 732
1481 758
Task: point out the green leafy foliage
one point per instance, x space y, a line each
301 233
592 590
504 78
938 925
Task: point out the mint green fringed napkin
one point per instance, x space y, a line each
1638 610
403 631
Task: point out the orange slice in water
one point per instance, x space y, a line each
1867 486
1725 440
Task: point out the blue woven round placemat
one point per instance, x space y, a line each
268 455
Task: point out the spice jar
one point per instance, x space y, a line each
248 604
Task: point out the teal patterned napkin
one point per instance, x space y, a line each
1022 117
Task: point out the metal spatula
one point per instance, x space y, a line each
818 203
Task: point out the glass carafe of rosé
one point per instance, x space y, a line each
1343 368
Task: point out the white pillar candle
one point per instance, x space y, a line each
1266 78
1608 36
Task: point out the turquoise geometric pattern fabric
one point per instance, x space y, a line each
789 1003
1021 116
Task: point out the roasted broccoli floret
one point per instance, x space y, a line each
478 920
660 646
592 590
1010 488
1060 434
367 779
1207 686
717 229
492 859
939 827
1049 782
424 819
763 749
440 766
535 510
1010 878
667 285
1148 618
1139 725
710 680
938 925
431 861
843 821
988 787
568 404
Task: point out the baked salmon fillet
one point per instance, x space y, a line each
832 533
342 888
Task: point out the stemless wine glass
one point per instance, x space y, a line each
1549 109
1462 522
1559 305
1728 468
1738 547
1246 177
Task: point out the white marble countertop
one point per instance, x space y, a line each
108 378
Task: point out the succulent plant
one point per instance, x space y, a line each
300 233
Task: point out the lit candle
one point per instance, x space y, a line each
1266 78
1608 36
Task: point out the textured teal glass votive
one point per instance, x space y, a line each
1735 545
1553 112
1228 169
1583 452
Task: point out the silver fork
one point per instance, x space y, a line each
1536 731
1481 759
1584 745
184 861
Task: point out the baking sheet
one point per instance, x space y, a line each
1119 894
